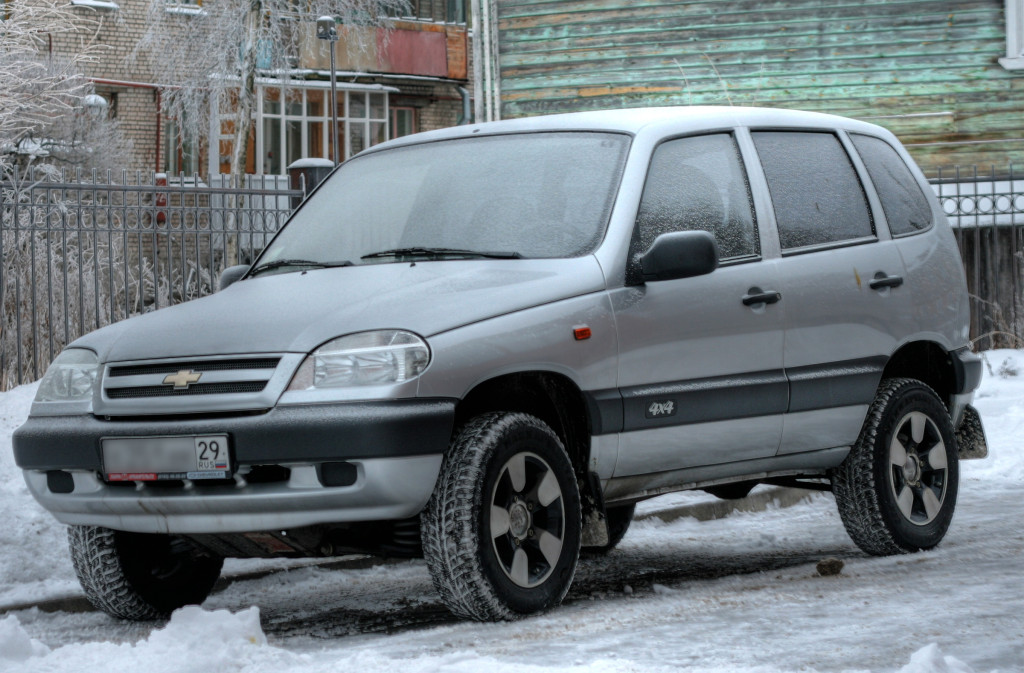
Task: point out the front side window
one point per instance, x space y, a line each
534 195
817 196
698 183
905 206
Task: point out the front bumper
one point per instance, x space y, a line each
394 450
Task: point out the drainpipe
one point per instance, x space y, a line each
467 113
159 124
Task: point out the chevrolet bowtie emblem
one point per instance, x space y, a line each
183 379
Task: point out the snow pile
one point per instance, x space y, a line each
195 641
41 567
1000 401
930 660
15 644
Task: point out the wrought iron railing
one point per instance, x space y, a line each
78 252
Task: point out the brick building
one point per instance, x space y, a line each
411 80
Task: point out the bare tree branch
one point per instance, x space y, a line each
212 55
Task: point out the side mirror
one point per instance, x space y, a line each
680 254
230 275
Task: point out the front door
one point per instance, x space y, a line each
700 363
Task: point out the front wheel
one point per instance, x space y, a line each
139 576
501 533
897 489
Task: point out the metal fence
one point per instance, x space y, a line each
78 252
986 210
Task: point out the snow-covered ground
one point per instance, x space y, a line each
739 594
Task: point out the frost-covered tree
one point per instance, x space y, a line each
215 51
38 88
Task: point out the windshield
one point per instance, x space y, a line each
512 196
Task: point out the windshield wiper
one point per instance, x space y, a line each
301 263
440 252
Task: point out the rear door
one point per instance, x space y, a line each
847 302
700 371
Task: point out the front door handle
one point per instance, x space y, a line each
880 282
756 295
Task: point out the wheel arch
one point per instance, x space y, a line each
552 397
928 362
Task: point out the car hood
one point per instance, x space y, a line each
296 312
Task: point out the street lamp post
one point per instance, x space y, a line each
327 29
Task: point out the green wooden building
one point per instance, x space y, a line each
947 77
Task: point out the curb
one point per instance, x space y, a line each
703 511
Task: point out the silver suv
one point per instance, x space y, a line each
486 344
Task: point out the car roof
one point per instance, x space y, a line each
656 120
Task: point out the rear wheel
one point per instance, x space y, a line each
140 576
501 533
897 489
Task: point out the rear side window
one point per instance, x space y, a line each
905 206
814 187
698 183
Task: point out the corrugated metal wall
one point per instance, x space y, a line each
928 70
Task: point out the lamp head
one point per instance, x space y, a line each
326 28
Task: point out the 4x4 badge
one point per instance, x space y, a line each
658 409
183 379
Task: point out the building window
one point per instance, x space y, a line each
403 121
450 11
1014 59
181 151
184 7
296 125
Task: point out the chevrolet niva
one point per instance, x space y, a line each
484 345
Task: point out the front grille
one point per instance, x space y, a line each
200 366
241 376
195 389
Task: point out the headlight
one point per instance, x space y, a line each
365 359
71 377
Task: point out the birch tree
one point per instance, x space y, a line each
214 52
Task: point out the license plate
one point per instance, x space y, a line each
160 458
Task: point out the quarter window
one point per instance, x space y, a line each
905 206
814 187
698 183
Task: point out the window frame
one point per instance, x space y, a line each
345 121
393 120
871 203
1014 13
435 11
735 134
868 183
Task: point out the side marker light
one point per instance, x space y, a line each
581 333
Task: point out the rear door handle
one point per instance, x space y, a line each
756 295
881 282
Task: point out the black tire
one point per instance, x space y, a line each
501 533
896 491
619 518
138 576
